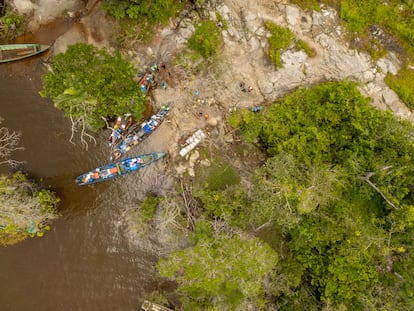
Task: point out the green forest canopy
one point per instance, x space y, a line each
90 85
335 196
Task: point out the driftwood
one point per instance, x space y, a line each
190 205
8 144
366 178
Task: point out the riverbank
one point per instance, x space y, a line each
215 91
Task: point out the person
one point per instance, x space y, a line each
133 163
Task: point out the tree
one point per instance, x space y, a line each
90 85
25 209
286 190
221 273
339 184
152 12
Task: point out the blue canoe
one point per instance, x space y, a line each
139 133
118 168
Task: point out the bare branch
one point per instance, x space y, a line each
8 144
107 124
366 178
190 205
82 125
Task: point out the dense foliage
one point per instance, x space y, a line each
25 209
222 272
338 185
334 200
152 12
90 85
11 24
137 18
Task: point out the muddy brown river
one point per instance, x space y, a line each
84 262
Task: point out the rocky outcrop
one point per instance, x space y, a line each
41 12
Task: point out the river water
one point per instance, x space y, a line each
84 262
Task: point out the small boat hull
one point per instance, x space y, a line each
13 52
118 168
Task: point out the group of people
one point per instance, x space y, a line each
147 81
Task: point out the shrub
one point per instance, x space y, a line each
12 24
25 209
148 207
280 39
89 85
206 39
152 12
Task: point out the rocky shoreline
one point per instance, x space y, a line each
243 61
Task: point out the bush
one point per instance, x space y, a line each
138 18
148 207
12 24
25 209
206 39
90 85
280 39
151 12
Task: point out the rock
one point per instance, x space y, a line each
212 121
71 37
24 6
294 58
205 162
388 64
194 157
191 172
180 169
292 15
267 88
186 32
44 11
389 96
228 138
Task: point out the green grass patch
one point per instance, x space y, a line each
281 38
302 45
403 85
148 208
222 21
217 176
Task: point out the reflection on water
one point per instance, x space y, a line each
84 263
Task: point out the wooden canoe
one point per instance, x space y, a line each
12 52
